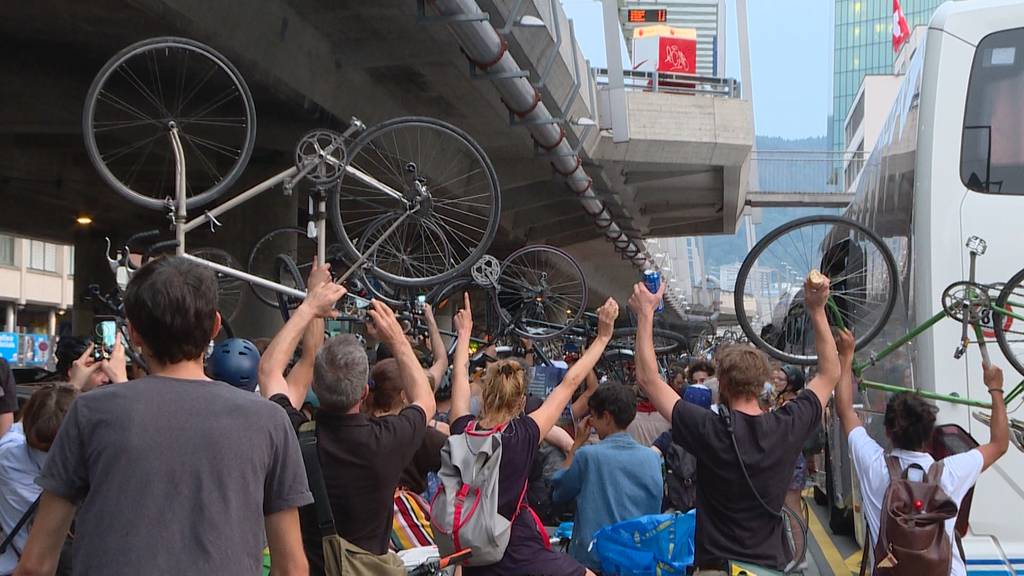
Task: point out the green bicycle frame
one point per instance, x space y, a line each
859 367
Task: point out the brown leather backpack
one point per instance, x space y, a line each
912 535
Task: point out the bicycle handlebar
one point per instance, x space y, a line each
159 247
142 239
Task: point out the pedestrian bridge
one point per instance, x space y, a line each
797 178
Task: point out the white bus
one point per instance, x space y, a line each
948 165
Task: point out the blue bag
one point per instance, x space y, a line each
653 545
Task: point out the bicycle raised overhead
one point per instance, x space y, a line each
170 125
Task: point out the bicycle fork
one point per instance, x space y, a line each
977 247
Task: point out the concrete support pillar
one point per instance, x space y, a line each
51 322
90 268
9 317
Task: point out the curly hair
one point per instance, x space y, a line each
909 421
700 366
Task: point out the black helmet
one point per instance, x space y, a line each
794 377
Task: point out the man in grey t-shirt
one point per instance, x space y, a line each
172 473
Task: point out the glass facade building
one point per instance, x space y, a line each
862 45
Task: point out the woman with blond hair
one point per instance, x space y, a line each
504 399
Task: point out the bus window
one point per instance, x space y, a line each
992 155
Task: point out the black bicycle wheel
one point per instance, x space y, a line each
287 274
152 86
619 366
447 299
1009 330
541 292
435 176
394 295
665 341
229 288
863 278
291 241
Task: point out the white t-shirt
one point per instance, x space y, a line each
959 474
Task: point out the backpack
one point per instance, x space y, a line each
681 478
912 529
464 513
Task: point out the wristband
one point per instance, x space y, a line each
992 390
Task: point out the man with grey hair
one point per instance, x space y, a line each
362 458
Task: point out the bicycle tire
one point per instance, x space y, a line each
447 298
1012 289
348 238
229 289
262 263
289 275
166 43
863 336
665 341
505 294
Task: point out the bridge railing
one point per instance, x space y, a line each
802 171
639 80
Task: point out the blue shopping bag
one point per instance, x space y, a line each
655 545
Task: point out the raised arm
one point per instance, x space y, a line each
580 407
461 391
417 388
999 439
437 347
644 303
319 303
844 390
816 291
301 375
547 415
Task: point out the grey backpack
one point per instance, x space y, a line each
464 514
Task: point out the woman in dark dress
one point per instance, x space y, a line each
504 397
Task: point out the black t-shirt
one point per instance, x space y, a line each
426 459
733 525
362 460
8 393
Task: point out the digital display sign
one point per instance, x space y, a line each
645 16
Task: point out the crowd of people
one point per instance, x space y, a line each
304 446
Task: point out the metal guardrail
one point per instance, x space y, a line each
689 84
802 171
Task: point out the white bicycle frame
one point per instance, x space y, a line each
289 177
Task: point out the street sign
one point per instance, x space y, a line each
645 16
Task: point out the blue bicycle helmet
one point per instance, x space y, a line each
235 361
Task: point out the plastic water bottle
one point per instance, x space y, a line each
652 279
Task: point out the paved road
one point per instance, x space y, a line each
831 555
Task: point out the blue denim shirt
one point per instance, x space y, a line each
613 480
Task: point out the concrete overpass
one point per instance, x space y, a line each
311 63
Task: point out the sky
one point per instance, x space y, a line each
790 55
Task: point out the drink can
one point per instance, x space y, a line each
652 279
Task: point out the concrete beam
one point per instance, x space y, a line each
797 199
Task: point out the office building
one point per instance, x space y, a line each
706 16
36 284
862 45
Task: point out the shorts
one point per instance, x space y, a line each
799 481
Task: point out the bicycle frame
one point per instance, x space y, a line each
969 321
289 177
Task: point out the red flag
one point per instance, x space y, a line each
900 30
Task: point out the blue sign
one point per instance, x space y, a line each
9 346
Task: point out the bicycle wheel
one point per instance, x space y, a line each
1009 330
291 241
620 366
229 288
287 273
447 300
439 179
541 292
146 89
392 294
665 341
860 266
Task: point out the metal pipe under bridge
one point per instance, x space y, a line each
812 178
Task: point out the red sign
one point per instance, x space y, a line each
678 55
